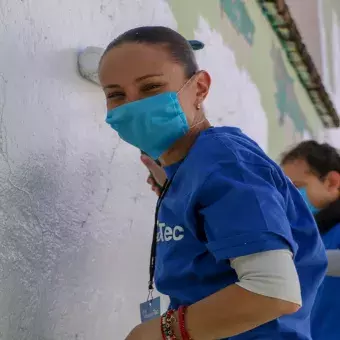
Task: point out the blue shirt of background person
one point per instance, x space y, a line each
315 169
226 204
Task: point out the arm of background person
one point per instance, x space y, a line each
333 257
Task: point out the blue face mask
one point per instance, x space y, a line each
311 207
153 124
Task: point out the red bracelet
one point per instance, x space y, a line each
181 320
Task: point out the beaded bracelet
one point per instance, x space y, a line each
163 335
167 321
181 319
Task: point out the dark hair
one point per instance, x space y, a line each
179 48
322 158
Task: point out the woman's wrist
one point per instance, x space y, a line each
176 328
173 325
169 325
182 323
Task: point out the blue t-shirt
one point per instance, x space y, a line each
326 311
228 199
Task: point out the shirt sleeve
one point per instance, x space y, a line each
243 212
270 273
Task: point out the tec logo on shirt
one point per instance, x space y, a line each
167 234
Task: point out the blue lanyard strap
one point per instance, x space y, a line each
154 236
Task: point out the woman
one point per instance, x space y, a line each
229 248
315 170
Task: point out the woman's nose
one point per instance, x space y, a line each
132 95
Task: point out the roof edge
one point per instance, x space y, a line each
278 14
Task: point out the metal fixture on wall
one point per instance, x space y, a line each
88 62
279 16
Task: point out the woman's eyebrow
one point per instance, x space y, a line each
148 76
112 86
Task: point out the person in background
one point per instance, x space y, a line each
234 246
315 170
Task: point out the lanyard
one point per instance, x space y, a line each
152 264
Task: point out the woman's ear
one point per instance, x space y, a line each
203 82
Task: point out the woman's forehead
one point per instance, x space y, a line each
130 61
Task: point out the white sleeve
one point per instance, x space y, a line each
333 257
271 273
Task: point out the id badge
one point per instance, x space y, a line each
150 309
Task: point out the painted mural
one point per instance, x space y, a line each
240 29
287 103
237 13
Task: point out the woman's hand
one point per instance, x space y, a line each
158 177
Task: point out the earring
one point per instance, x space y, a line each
198 106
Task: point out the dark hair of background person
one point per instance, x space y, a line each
321 158
180 50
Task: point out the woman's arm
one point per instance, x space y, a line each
272 290
268 288
232 311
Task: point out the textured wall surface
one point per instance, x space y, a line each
75 212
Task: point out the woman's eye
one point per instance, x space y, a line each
115 95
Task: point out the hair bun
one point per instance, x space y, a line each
196 44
